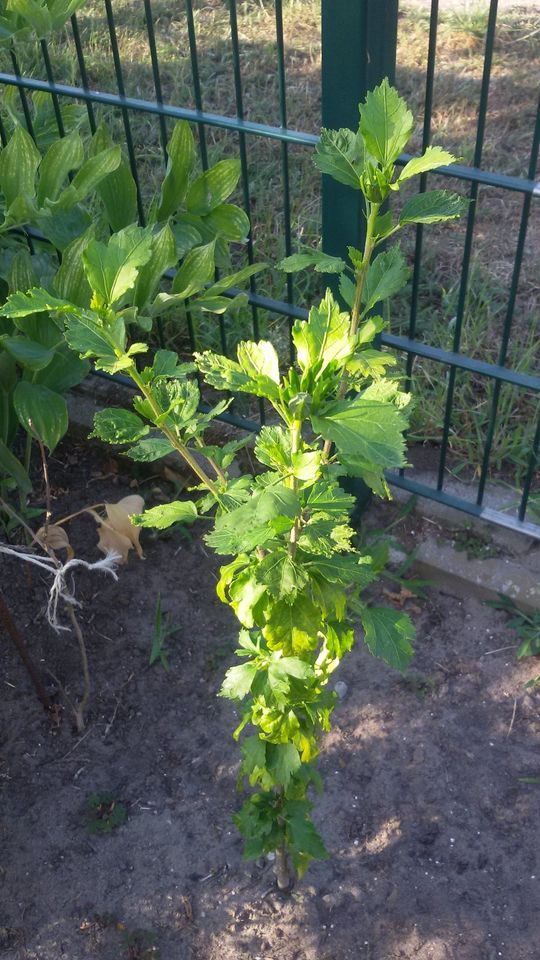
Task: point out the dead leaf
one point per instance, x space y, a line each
55 538
399 598
117 533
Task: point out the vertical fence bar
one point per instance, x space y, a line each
22 96
284 158
233 19
196 80
524 223
156 74
467 251
358 50
54 96
533 459
125 113
83 72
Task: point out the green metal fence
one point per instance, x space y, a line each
358 49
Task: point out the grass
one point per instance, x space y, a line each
509 126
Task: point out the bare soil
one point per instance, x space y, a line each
431 831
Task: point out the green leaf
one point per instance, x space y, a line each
292 627
186 236
324 337
36 300
163 257
282 762
233 279
64 155
112 268
371 363
165 514
148 450
41 411
369 429
65 370
10 466
259 360
116 425
328 499
222 373
302 834
92 172
388 634
21 272
238 681
433 157
180 163
62 226
248 526
387 275
213 187
281 574
28 353
344 569
196 271
70 280
229 221
225 374
386 123
432 207
118 190
19 161
322 262
340 153
88 339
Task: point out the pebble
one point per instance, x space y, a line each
341 689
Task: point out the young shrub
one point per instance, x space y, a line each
296 580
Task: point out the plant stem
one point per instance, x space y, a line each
13 631
296 438
283 877
361 275
171 436
79 708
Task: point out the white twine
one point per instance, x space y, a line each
59 590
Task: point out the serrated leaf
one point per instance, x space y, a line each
180 163
112 268
36 300
292 627
165 514
370 429
213 187
344 569
41 412
432 207
304 840
388 634
432 158
325 337
340 153
238 681
386 123
116 425
321 262
259 360
387 275
88 339
282 762
282 576
328 499
154 448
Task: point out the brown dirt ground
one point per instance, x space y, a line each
432 835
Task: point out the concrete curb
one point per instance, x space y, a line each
514 573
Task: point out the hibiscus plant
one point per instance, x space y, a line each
296 580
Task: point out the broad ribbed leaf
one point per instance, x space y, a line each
19 161
11 467
118 190
196 271
432 207
229 221
163 257
70 280
41 412
321 262
386 123
181 154
64 371
213 187
28 353
66 154
92 172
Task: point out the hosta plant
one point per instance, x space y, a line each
296 581
73 195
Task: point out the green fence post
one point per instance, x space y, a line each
359 39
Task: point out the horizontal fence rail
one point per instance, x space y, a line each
373 56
